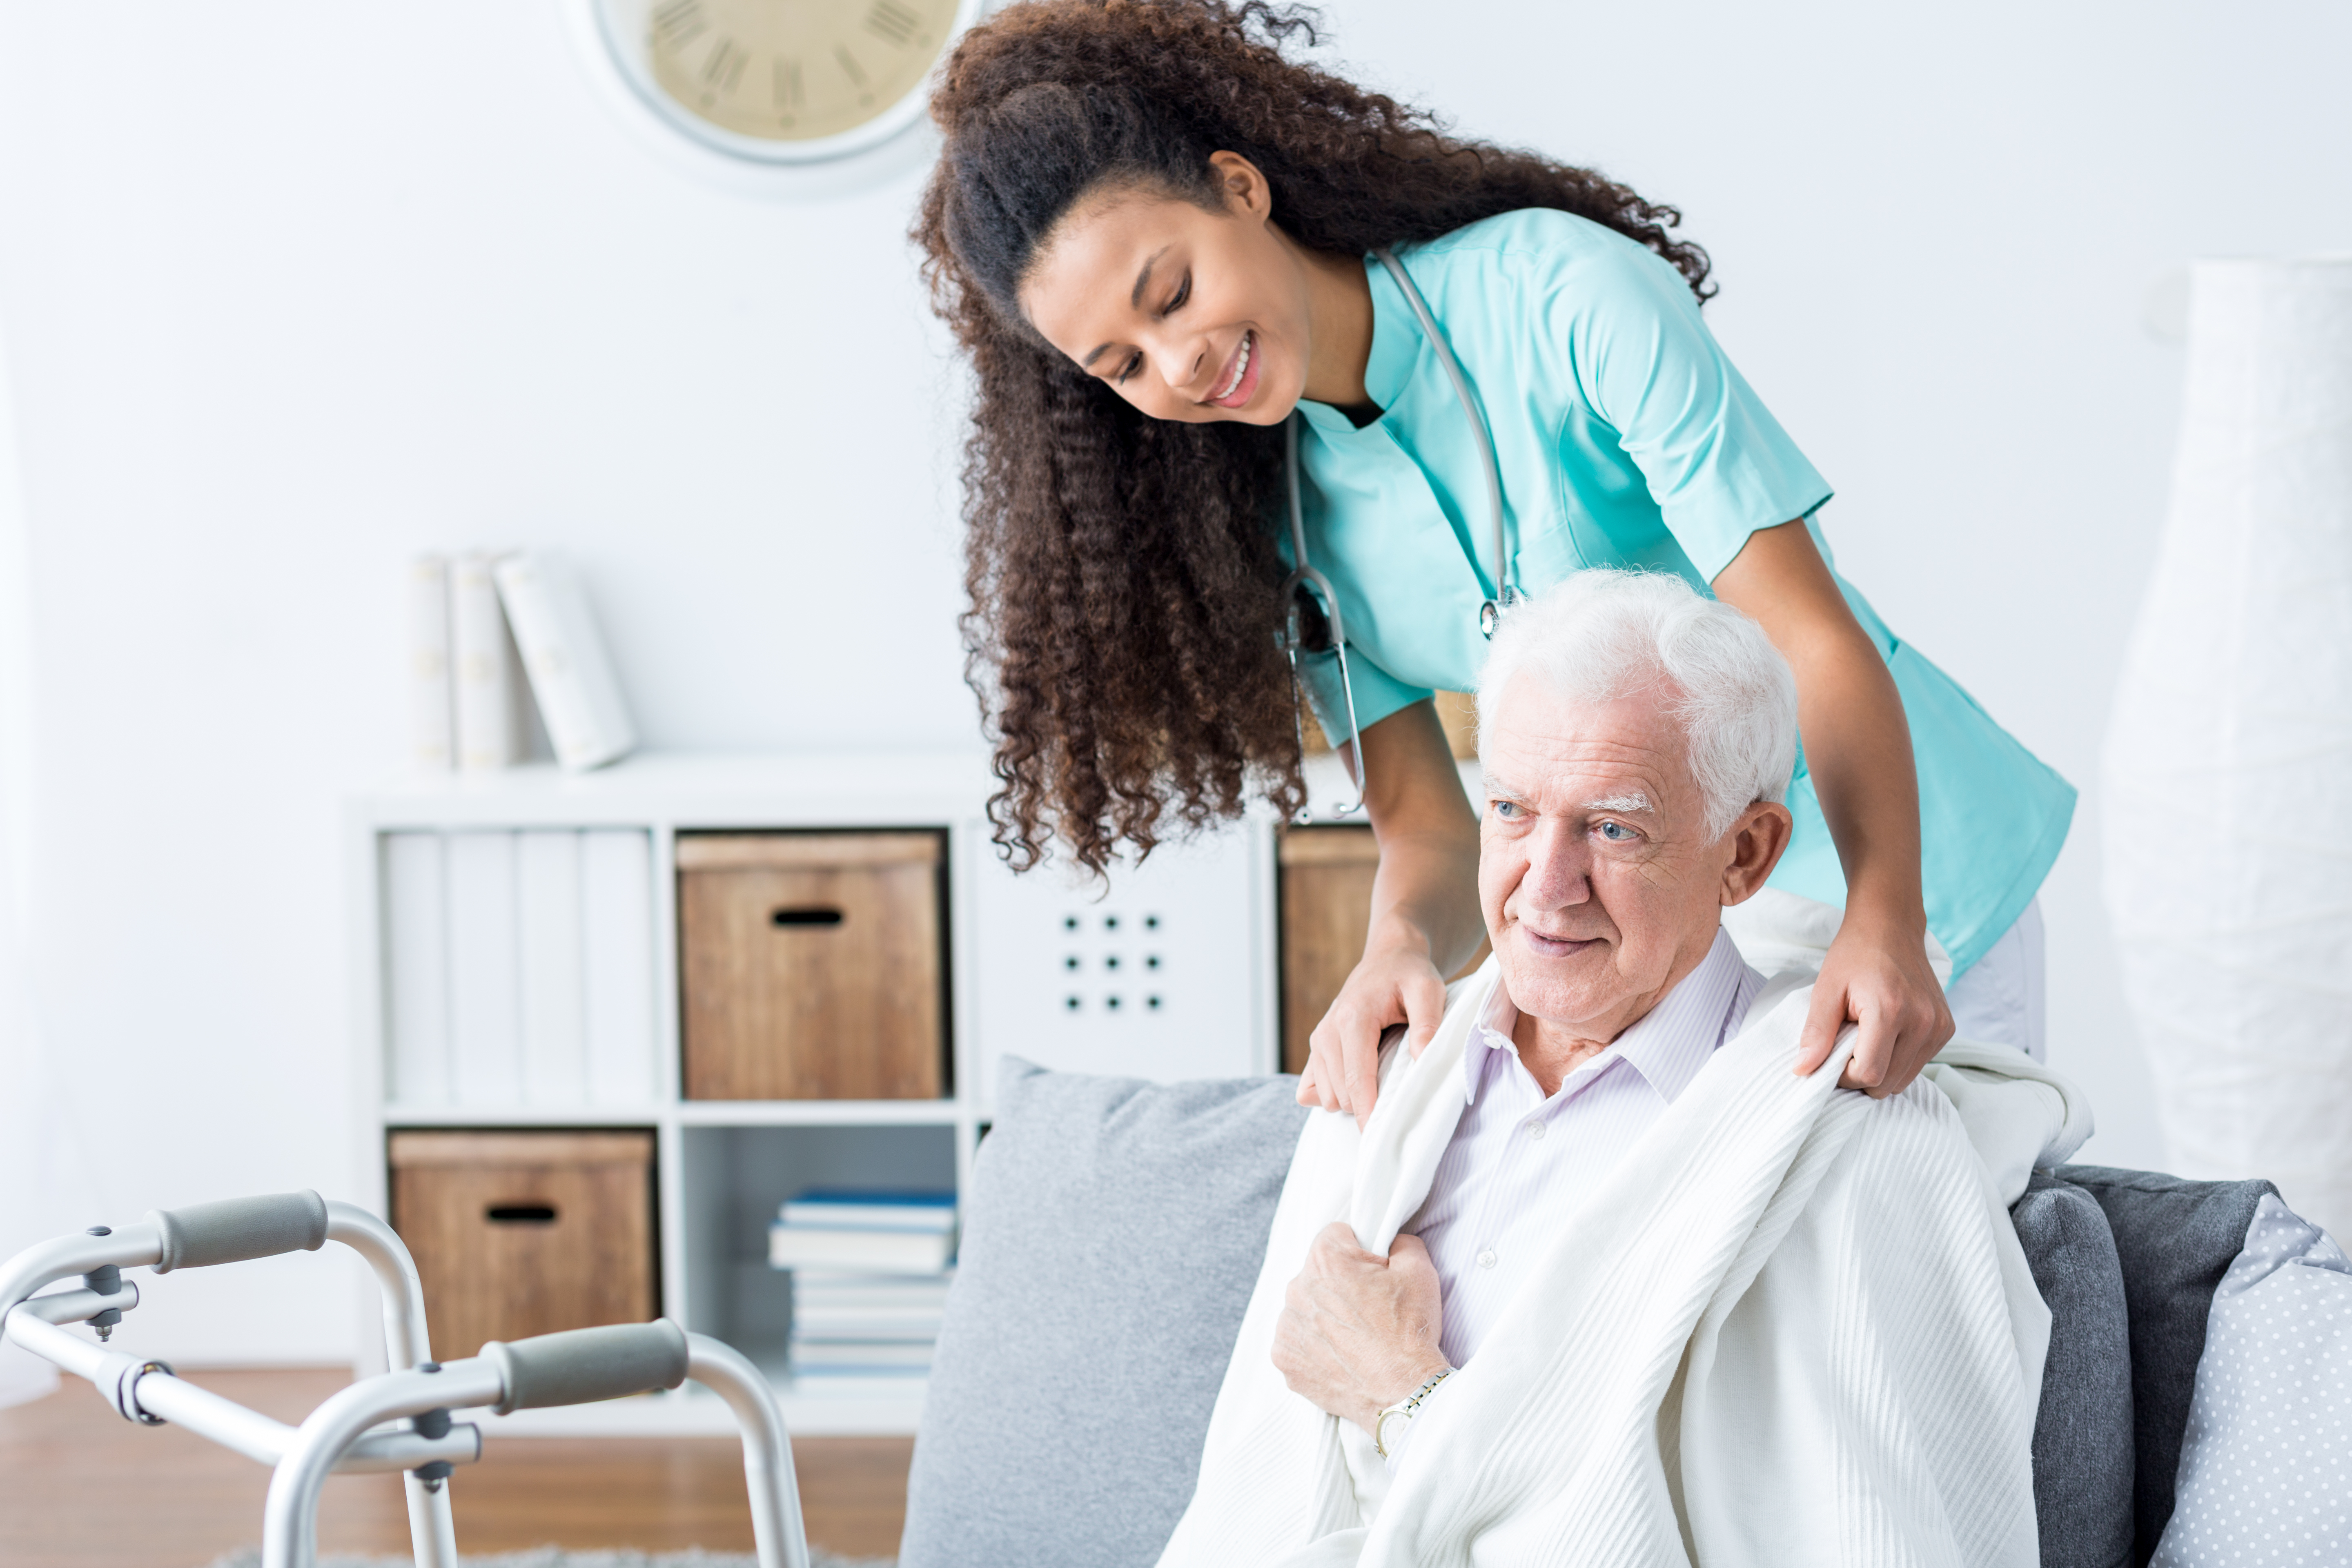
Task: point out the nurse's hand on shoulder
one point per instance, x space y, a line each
1424 909
1877 976
1395 983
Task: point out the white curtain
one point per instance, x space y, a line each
28 1177
2228 775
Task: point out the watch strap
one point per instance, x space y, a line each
1402 1410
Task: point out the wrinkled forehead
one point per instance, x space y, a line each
1558 749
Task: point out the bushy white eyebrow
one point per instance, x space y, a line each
1636 800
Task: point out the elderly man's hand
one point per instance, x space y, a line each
1359 1331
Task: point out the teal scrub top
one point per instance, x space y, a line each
1626 439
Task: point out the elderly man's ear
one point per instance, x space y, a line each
1757 840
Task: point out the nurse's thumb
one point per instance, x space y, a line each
1424 1009
1823 1019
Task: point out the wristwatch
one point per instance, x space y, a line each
1402 1410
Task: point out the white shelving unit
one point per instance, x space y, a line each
1038 967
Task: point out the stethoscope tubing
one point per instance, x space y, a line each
1506 590
1304 574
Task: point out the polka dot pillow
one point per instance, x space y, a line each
2266 1464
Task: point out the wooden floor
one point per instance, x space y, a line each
82 1488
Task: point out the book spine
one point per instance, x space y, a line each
587 720
900 1293
815 1216
553 990
909 1252
431 702
616 899
875 1353
485 1038
934 1305
811 1326
416 989
486 729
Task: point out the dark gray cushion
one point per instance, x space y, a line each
2082 1434
2174 1239
1112 1233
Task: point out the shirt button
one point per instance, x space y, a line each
1535 1129
1486 1259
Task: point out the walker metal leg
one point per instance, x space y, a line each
289 1515
406 1346
431 1530
776 1527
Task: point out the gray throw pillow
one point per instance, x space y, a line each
2174 1239
2083 1432
1112 1233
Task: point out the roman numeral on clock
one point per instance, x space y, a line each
894 23
724 67
678 22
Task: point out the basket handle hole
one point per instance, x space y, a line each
810 915
520 1213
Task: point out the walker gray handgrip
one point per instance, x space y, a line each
238 1230
580 1366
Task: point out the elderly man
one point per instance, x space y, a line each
1604 1279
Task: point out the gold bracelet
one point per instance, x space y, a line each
1403 1408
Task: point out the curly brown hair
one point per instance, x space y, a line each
1124 580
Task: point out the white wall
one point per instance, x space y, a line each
292 290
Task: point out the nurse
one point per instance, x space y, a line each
1159 239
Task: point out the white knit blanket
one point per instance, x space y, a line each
1794 1325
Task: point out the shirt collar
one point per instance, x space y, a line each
1396 348
1667 1044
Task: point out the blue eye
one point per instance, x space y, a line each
1615 832
1507 810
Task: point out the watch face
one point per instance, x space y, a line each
785 71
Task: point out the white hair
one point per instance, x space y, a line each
1602 634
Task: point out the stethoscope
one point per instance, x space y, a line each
1303 577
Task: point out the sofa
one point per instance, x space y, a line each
1114 1229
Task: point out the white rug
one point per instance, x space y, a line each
556 1557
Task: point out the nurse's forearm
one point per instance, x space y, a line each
1858 750
1857 743
1425 921
1425 893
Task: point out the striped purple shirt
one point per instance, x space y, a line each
1519 1160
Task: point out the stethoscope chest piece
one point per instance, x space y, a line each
1490 614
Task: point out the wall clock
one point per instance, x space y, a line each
778 83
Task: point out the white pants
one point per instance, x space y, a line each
1999 997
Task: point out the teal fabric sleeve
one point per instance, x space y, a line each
1377 693
1993 817
1716 463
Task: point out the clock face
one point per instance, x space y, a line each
792 71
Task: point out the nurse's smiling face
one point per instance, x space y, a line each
1197 315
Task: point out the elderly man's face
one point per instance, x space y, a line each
1600 886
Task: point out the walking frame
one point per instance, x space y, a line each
398 1420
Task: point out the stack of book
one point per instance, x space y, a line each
870 1274
472 620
